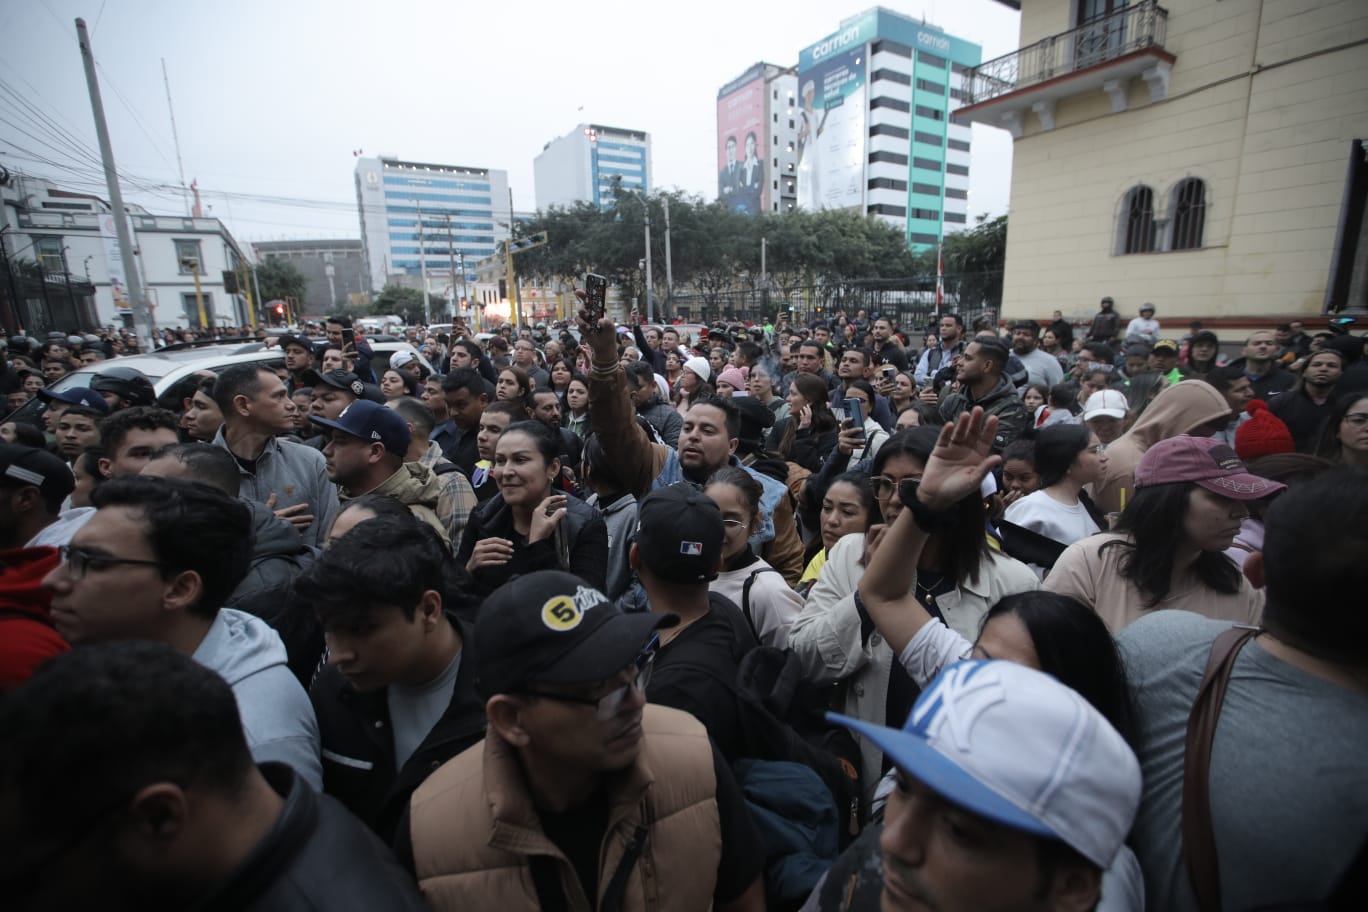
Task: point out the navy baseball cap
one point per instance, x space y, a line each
371 421
79 396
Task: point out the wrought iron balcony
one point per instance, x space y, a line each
1138 27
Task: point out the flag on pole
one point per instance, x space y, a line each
940 280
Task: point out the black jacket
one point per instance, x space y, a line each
579 546
1003 401
358 742
315 857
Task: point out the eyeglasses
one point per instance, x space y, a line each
608 705
884 486
732 526
1358 420
80 560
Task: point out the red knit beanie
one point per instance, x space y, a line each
1263 434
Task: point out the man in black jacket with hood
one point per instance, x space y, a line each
397 698
126 784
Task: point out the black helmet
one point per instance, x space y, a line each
129 384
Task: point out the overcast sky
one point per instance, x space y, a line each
273 96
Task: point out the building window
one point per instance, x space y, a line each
776 163
1189 214
956 218
962 170
48 252
929 139
926 189
929 215
892 103
958 145
891 47
1137 221
887 209
890 130
952 193
935 88
886 183
893 158
926 164
917 238
959 69
186 252
891 76
932 60
930 113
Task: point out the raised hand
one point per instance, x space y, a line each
960 460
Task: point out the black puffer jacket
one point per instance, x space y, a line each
579 545
358 741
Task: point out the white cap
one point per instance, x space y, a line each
400 358
1107 403
699 366
1012 744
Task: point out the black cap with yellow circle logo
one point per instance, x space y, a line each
551 627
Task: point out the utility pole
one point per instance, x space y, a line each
451 253
174 138
142 321
514 293
646 212
422 265
669 265
194 265
764 278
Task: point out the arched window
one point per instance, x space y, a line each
1137 228
1189 214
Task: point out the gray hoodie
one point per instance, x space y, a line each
277 716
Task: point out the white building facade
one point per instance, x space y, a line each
421 216
72 239
584 164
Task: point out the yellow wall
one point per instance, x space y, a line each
1261 106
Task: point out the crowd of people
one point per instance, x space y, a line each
845 615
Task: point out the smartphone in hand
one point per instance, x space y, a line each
595 297
855 410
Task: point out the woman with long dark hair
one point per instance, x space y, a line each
1066 457
809 432
848 508
530 524
1344 436
958 578
1191 495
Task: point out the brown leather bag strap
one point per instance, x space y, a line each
1199 841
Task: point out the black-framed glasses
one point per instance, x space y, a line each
608 705
80 560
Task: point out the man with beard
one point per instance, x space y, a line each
1304 407
982 383
1041 367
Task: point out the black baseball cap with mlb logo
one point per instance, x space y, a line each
551 627
679 534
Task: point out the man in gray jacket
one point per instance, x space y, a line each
288 477
646 397
156 562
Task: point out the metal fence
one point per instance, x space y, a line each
910 301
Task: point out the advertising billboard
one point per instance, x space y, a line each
831 127
742 178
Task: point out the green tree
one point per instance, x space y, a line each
974 262
405 303
281 280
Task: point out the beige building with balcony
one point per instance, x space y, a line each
1205 155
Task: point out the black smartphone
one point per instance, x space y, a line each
348 336
595 296
855 411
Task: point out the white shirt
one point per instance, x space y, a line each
1042 514
1143 329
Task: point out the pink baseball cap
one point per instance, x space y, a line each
1204 461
